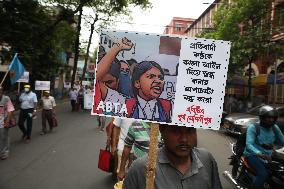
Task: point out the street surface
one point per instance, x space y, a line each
67 158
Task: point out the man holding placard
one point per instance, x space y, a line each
197 71
179 163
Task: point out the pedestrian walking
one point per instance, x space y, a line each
120 130
28 100
81 98
73 98
48 107
6 111
102 122
138 138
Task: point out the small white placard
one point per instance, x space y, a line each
24 78
42 85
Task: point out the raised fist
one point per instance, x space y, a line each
124 44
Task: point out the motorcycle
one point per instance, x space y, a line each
241 175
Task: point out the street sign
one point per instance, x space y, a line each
176 80
24 78
42 85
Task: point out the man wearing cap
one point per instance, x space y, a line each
48 105
28 101
6 111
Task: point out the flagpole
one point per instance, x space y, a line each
4 77
8 70
19 87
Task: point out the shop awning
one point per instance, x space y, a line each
259 80
279 79
266 79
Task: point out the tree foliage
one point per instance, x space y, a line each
105 12
25 27
247 24
40 30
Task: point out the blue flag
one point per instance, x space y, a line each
16 69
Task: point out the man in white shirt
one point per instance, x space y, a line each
48 105
120 131
28 101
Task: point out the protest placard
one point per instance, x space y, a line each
84 83
201 83
67 85
42 85
88 100
165 79
24 78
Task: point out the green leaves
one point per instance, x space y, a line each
25 28
246 23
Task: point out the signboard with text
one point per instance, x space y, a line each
160 78
42 85
84 83
88 97
24 78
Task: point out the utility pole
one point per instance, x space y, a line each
275 61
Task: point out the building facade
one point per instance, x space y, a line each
178 26
262 67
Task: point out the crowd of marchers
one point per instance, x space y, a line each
29 106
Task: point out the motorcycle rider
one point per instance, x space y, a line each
259 144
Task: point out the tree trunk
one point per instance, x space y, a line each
76 49
88 47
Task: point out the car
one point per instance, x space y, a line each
236 123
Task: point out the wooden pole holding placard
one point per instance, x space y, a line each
19 87
152 156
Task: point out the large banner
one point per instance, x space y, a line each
159 78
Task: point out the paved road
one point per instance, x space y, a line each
67 158
218 144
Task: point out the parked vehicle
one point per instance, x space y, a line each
224 114
242 175
235 123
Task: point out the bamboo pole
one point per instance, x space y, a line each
4 77
19 87
151 166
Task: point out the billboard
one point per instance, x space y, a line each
160 78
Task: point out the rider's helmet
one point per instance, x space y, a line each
267 111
